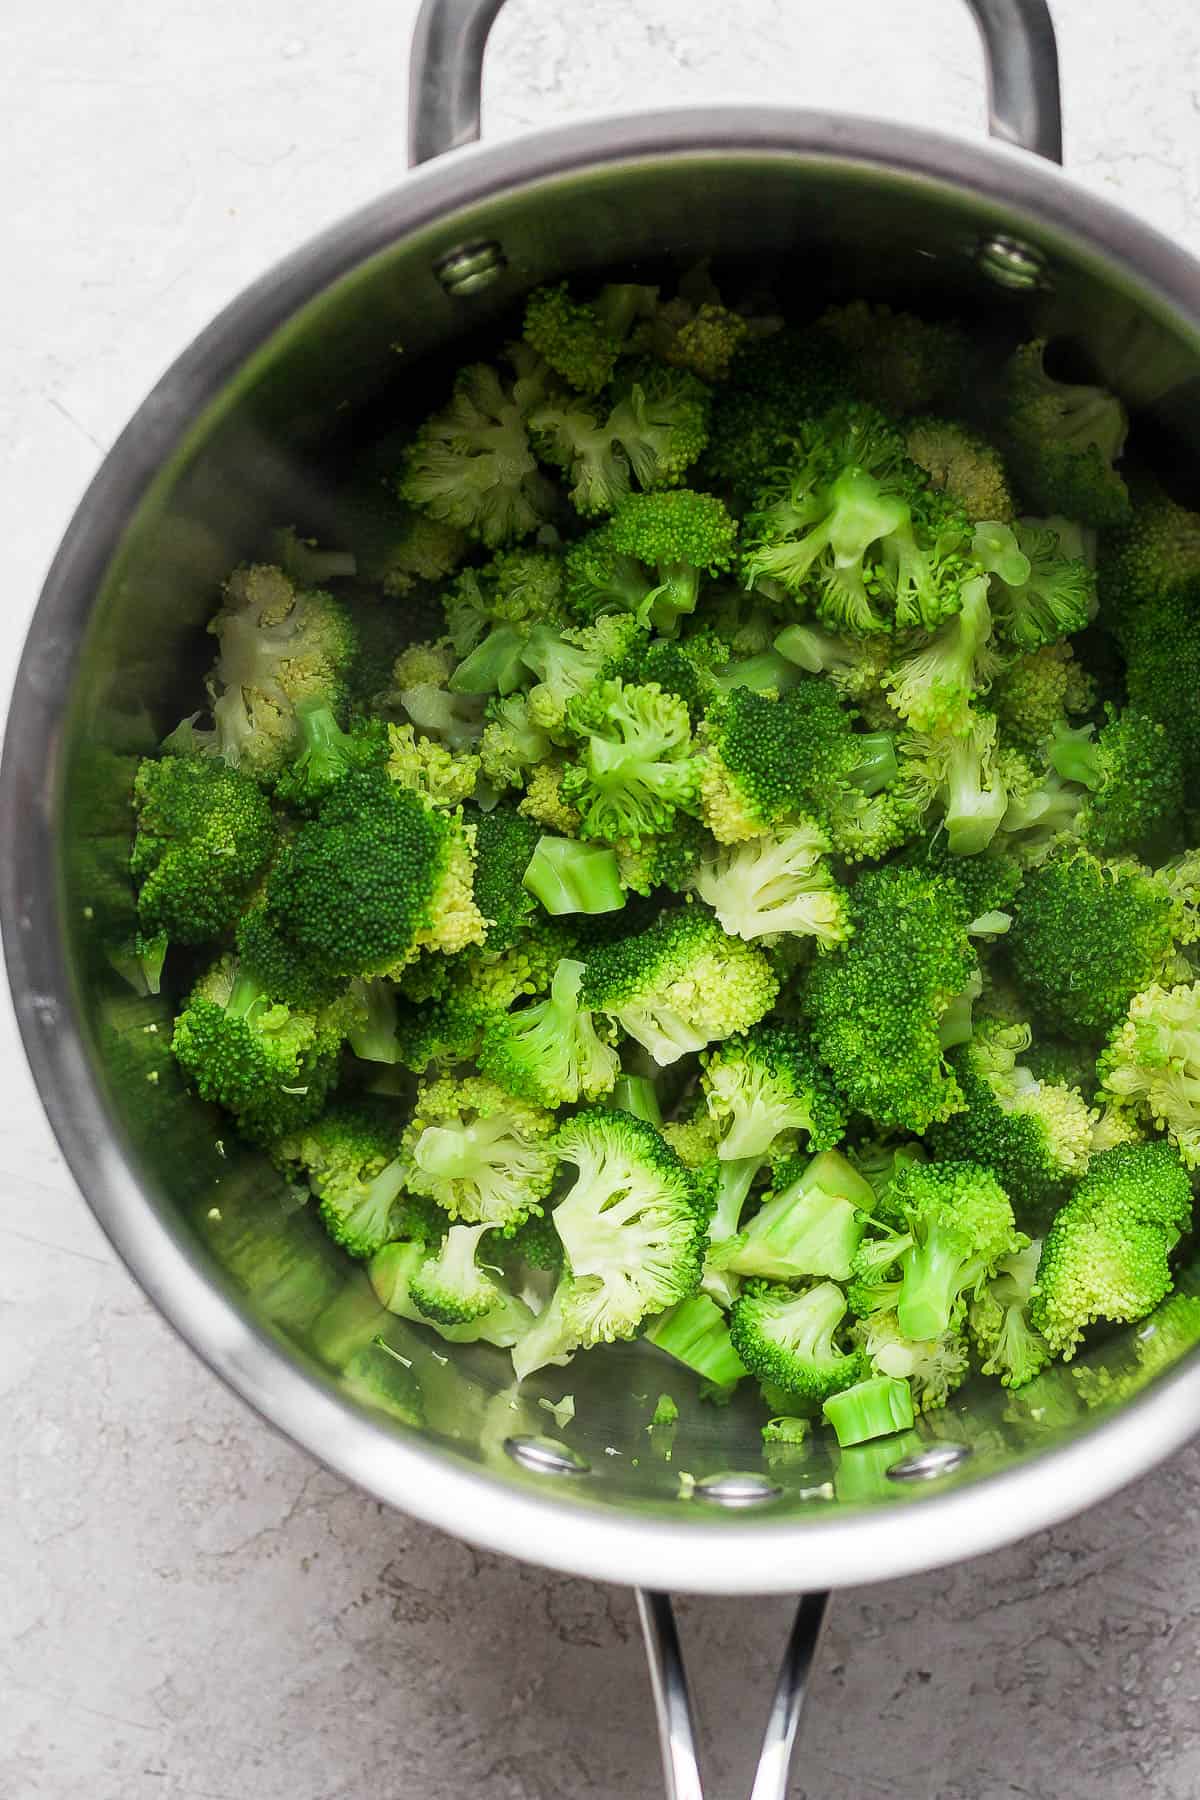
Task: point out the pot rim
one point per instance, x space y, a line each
753 1555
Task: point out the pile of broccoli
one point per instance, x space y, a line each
760 914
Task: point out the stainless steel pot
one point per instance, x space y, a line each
243 433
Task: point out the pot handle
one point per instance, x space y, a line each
668 1683
446 74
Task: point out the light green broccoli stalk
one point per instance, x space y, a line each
876 1407
696 1333
811 1223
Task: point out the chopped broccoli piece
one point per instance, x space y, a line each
1135 775
789 1339
551 1053
696 1333
963 465
960 1222
812 1223
680 985
637 762
204 834
357 1169
777 883
569 877
896 360
1151 1066
636 1094
998 1318
483 1155
876 1407
765 1088
1063 441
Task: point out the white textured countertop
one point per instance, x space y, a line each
190 1609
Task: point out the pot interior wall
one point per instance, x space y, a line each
369 355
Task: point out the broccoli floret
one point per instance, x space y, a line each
963 465
1038 593
773 382
375 877
1106 1253
961 1224
933 1367
484 1156
851 527
632 1225
357 1169
268 1064
1033 694
420 680
790 1340
637 763
932 686
777 883
896 360
1063 440
504 844
471 465
569 877
1151 1066
876 1407
680 985
763 1089
512 744
650 558
1134 771
1144 561
577 340
280 648
327 753
693 668
875 1005
1087 936
768 761
998 1319
696 1333
204 835
810 1223
669 860
988 883
449 1288
551 1053
1162 645
1035 1135
543 800
566 662
655 429
874 1282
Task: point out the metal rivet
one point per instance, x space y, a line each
546 1456
1011 263
470 267
926 1465
735 1488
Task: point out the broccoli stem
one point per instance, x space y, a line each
734 1183
676 594
877 767
873 1408
569 877
1075 755
494 667
769 672
635 1094
696 1334
244 997
930 1277
375 1039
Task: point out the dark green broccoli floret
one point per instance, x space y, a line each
1134 771
1039 593
896 360
1063 440
773 383
650 558
377 875
1162 649
576 339
327 753
504 843
1142 562
670 859
204 834
789 1339
876 1004
652 433
268 1064
1106 1253
767 761
1086 937
988 883
450 1289
680 985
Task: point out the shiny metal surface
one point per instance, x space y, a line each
783 1720
246 432
445 83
